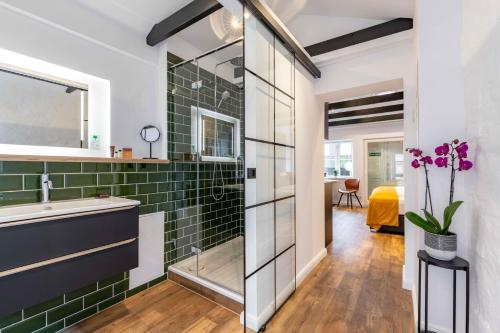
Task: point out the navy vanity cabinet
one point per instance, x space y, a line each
44 258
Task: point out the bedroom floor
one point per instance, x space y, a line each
355 288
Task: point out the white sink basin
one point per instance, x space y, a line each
40 210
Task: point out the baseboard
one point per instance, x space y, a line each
407 283
304 272
255 321
414 298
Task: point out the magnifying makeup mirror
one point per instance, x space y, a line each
150 134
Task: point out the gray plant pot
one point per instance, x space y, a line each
442 247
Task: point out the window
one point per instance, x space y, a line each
399 168
338 159
217 136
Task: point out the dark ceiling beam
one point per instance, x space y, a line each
396 96
367 112
361 36
366 120
183 18
261 12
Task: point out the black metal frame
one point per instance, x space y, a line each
244 175
222 47
271 143
268 18
457 264
361 36
275 199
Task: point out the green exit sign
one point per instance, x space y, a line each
374 154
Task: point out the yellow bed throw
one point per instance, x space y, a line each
383 207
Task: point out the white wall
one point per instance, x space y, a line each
366 67
481 60
309 150
358 134
441 119
66 34
388 63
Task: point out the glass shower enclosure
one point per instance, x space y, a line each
206 130
231 114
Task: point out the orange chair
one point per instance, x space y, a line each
351 188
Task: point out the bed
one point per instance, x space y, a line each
386 209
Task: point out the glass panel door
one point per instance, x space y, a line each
270 174
385 164
221 149
183 128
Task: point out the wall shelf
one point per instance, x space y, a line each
31 158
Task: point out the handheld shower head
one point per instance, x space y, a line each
225 95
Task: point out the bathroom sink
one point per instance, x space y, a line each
56 208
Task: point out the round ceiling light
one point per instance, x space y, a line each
226 26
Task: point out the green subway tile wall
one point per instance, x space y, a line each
219 220
159 187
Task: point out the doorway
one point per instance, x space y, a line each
384 163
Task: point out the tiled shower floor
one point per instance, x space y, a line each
221 265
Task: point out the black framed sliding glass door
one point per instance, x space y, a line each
269 268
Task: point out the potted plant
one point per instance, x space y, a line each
440 243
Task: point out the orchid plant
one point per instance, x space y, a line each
451 155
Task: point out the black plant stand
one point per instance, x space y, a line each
457 264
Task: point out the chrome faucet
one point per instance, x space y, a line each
46 187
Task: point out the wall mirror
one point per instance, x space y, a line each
150 134
38 110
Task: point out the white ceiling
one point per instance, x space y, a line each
330 16
310 21
136 15
139 16
313 21
371 9
202 35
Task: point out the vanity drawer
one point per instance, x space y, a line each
31 287
34 242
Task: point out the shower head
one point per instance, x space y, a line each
238 61
225 95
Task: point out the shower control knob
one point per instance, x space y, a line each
251 173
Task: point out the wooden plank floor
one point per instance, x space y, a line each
356 288
165 308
